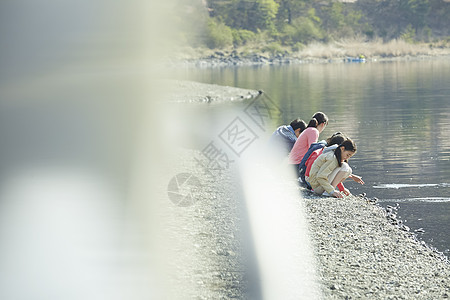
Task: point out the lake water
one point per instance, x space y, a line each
397 112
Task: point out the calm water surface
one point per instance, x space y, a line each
398 113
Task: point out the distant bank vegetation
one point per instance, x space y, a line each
301 26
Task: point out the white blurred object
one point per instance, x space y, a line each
75 82
63 236
287 266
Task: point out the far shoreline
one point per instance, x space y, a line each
344 52
263 60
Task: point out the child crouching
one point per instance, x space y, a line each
331 168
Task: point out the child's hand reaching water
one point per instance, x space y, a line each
357 178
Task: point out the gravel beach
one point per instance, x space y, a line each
363 256
360 250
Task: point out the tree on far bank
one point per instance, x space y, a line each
251 15
293 23
392 18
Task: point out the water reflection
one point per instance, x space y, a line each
396 112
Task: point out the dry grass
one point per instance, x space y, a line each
394 48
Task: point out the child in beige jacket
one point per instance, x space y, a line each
331 168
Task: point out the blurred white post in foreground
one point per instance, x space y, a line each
287 266
75 80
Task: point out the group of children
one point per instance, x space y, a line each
321 166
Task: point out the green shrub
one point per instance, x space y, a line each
408 34
302 30
306 31
242 36
287 33
368 30
273 48
298 46
218 35
427 34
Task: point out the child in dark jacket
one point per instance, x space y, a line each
285 136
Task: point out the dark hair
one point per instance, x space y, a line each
348 145
317 119
298 123
336 139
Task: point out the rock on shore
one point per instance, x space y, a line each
222 59
189 91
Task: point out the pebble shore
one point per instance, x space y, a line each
361 250
362 255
